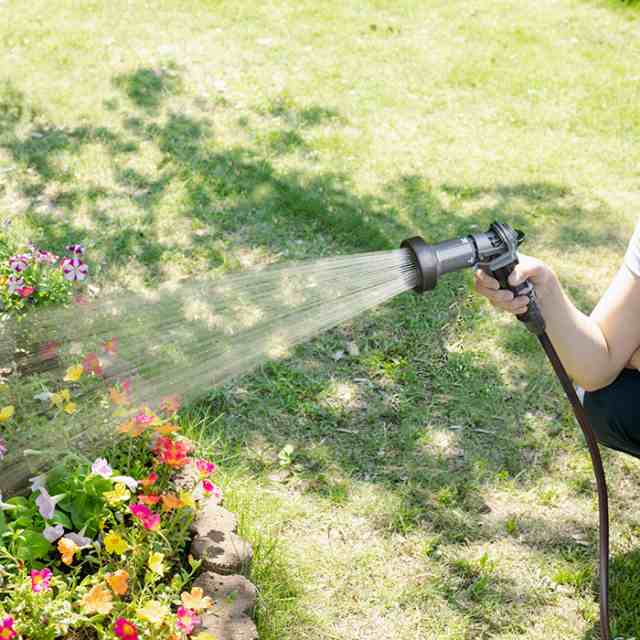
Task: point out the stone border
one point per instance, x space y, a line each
224 555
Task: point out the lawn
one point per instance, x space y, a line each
436 484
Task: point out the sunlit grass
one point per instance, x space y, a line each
436 484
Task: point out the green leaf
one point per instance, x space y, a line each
60 517
33 546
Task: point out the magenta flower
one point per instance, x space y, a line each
53 533
19 262
148 519
74 269
101 468
40 580
205 467
187 619
210 489
76 249
7 632
14 283
143 418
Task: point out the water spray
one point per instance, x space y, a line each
106 359
495 252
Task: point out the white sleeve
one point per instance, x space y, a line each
632 256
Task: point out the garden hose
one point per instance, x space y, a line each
495 252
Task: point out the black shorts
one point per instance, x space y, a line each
614 413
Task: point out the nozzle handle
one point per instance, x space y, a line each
532 317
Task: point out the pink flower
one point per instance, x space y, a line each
40 580
91 364
148 519
170 404
25 292
74 269
7 632
143 418
49 350
125 629
187 619
205 467
211 489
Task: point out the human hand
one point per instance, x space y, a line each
528 268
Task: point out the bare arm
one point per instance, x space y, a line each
594 349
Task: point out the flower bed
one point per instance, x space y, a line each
101 549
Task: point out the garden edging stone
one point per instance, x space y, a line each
224 555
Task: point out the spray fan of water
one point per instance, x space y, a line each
179 342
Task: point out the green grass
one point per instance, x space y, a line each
438 485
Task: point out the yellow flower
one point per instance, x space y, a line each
196 599
187 499
205 635
154 612
155 563
74 373
61 397
118 581
114 543
98 600
67 549
6 413
70 408
119 494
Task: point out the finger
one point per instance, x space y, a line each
501 296
521 273
486 280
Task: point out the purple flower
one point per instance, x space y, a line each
3 448
74 269
79 539
37 482
101 468
19 262
53 533
76 249
14 283
46 503
44 256
127 481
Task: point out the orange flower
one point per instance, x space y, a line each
67 549
118 397
170 502
149 500
118 581
166 429
98 600
134 429
196 600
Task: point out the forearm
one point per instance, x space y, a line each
577 338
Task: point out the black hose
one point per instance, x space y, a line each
598 470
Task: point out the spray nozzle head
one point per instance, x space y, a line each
491 250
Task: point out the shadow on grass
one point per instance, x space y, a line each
412 386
